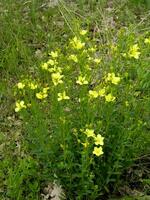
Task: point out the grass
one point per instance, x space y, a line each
31 29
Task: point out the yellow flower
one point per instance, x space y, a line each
83 32
114 79
98 151
93 94
82 80
54 54
45 90
63 96
97 60
147 40
20 85
76 43
85 144
41 95
109 97
32 86
51 62
73 57
133 52
99 140
56 78
101 92
89 133
19 106
44 66
55 69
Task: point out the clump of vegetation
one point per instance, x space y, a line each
84 112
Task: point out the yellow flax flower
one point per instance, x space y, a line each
41 95
114 79
99 140
45 89
98 151
20 85
109 97
93 94
101 92
19 106
32 86
51 62
76 43
57 78
89 133
82 80
97 60
62 96
44 66
147 40
73 57
134 52
54 54
83 32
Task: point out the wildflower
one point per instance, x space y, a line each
62 96
98 151
133 52
54 54
147 40
101 92
99 140
109 97
76 43
45 89
41 95
44 66
32 86
82 80
55 69
114 79
51 62
93 94
83 32
97 60
89 132
73 57
56 78
19 106
85 144
20 85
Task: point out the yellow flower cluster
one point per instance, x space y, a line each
76 43
20 85
62 96
20 105
112 78
134 51
51 64
73 57
57 78
43 94
27 83
83 32
98 140
94 94
147 40
82 80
